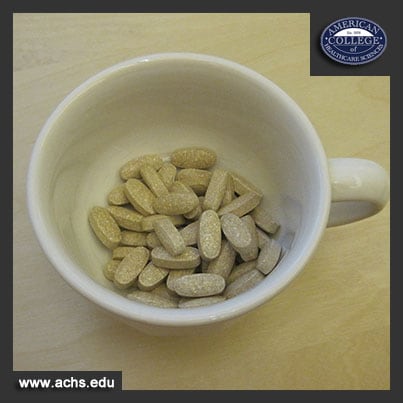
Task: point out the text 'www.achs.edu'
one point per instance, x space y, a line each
67 382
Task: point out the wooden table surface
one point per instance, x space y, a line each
328 330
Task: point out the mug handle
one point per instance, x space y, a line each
360 189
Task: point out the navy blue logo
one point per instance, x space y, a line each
353 40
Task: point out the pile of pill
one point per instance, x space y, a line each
184 233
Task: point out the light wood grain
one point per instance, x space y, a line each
328 330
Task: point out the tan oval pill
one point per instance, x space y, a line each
243 283
175 203
209 238
117 196
190 233
130 267
269 256
224 262
264 220
167 174
197 179
105 227
193 157
169 236
241 205
152 240
199 285
236 231
215 190
229 192
252 250
190 258
126 218
132 168
151 276
149 298
242 185
133 238
202 301
241 269
140 196
110 269
148 222
121 252
153 180
174 275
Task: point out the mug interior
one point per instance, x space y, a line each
156 104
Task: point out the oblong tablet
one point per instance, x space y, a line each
199 285
140 196
126 218
131 169
117 196
209 237
241 205
130 267
175 203
190 258
151 276
215 190
193 157
169 236
105 227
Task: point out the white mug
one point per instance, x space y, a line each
159 102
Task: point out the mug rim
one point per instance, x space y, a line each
139 312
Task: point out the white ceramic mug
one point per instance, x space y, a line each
154 104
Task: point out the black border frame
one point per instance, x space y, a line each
321 15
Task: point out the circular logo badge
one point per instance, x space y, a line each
353 40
